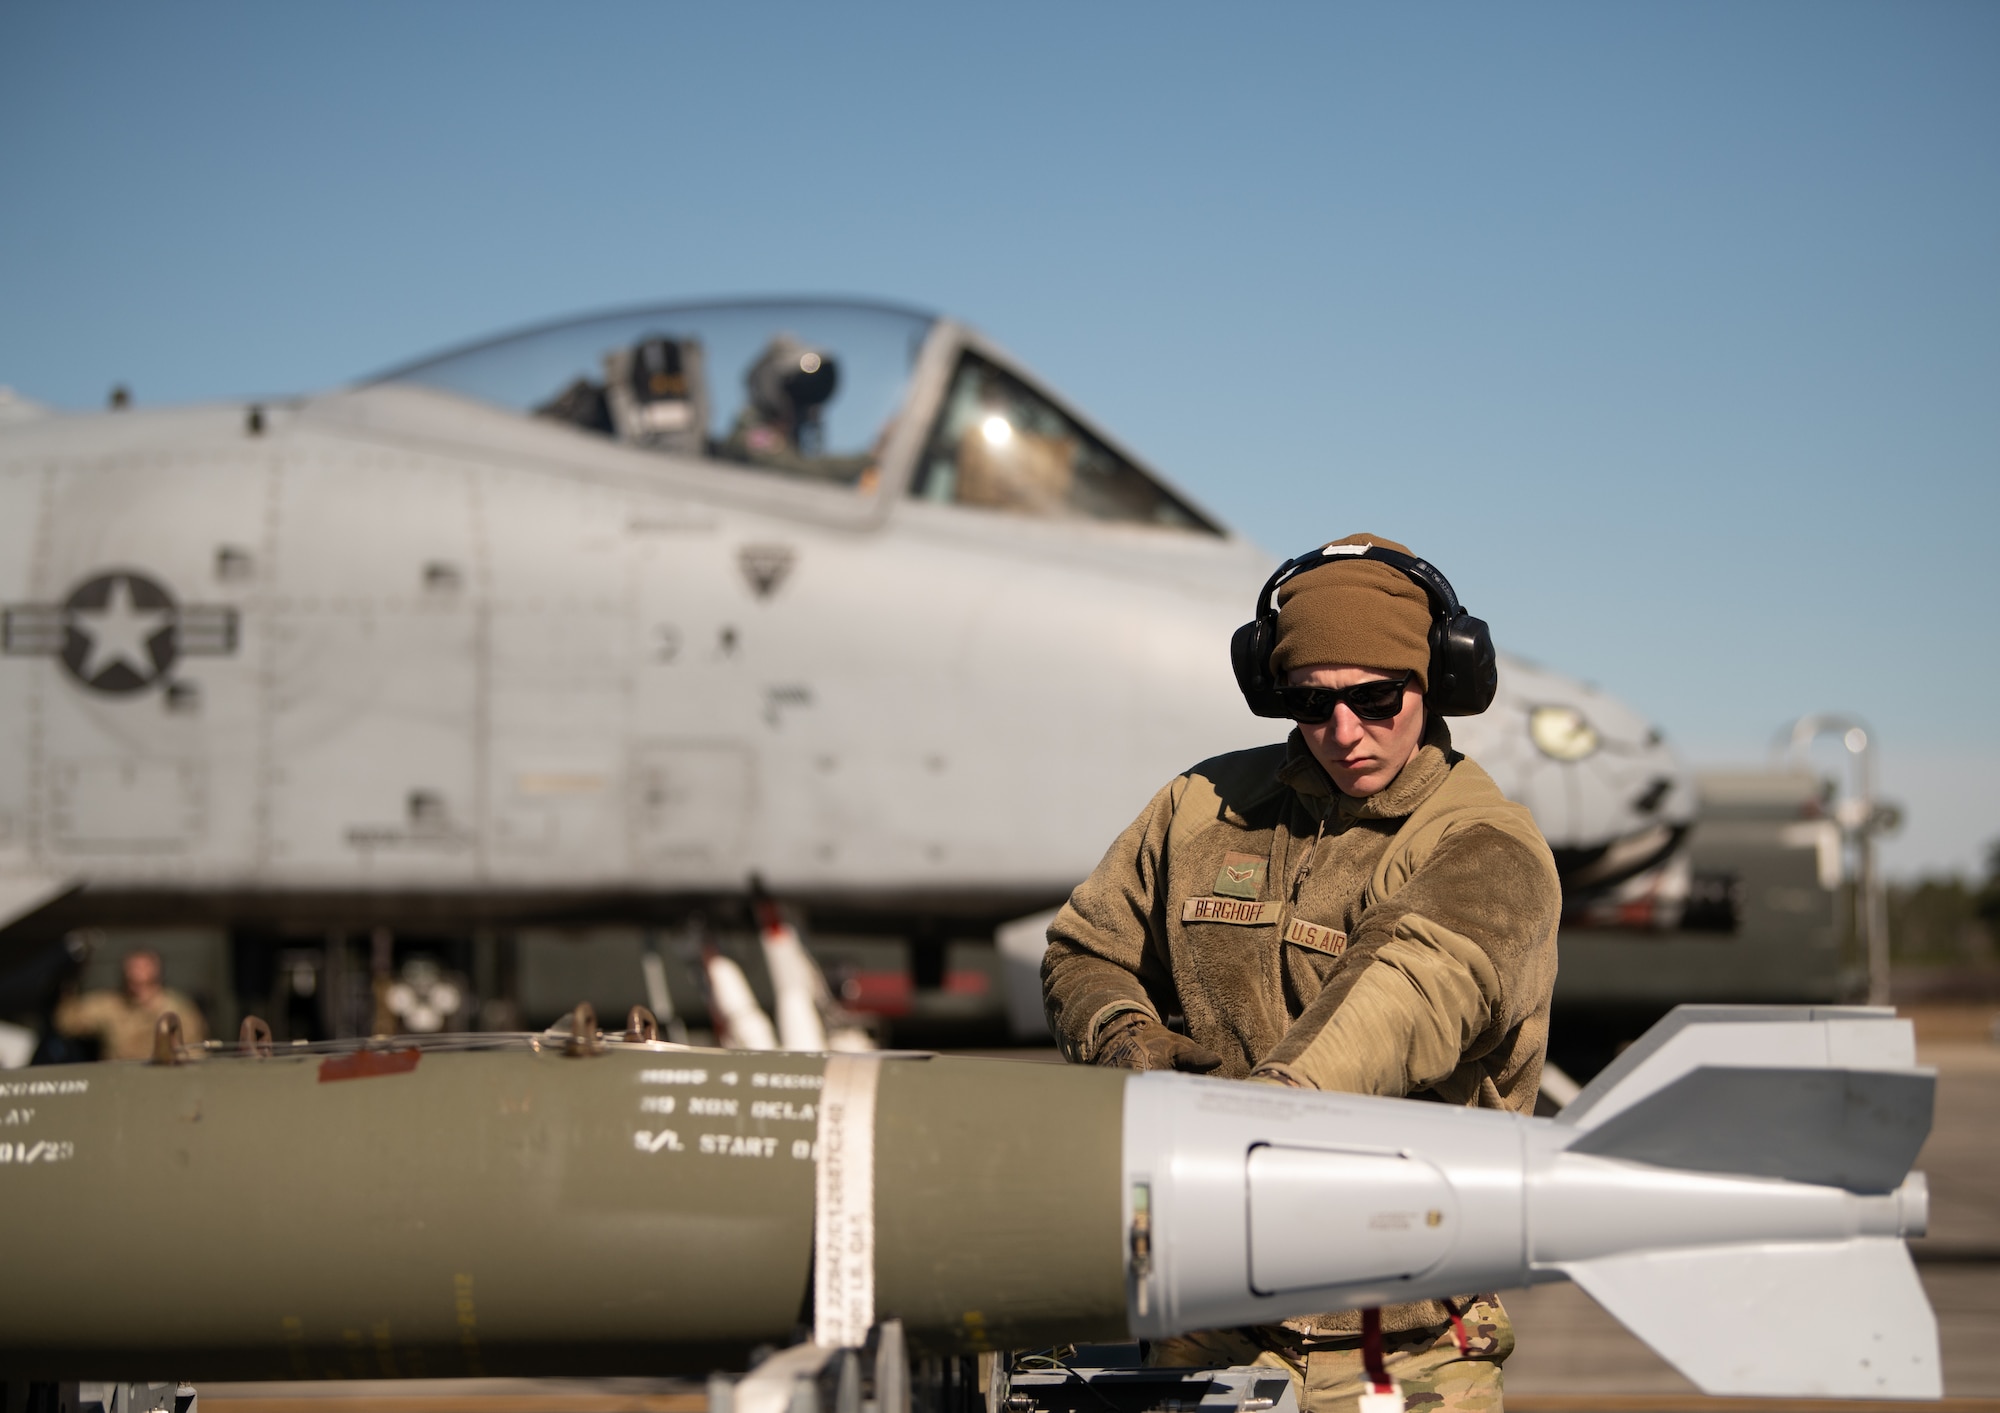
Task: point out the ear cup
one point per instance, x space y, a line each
1250 655
1464 674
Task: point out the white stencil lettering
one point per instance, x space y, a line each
40 1088
785 1081
738 1145
782 1109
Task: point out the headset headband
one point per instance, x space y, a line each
1444 602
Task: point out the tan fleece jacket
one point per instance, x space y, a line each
1403 944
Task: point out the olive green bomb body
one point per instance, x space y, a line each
519 1211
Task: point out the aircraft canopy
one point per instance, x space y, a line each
807 387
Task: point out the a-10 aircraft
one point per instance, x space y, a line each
620 614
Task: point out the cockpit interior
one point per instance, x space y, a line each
814 390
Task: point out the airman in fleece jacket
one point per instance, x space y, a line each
1399 944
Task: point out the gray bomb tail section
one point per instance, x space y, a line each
1857 1129
1735 1191
1830 1099
1845 1319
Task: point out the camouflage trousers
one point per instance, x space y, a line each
1327 1372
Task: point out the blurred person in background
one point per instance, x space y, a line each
122 1022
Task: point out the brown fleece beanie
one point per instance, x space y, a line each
1355 613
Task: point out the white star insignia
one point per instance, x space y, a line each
119 632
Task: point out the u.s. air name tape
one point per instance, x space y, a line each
1320 938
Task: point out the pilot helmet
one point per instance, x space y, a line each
791 381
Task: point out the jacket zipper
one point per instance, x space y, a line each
1312 854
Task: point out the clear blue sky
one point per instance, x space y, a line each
1671 331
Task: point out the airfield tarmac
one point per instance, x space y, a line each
1573 1358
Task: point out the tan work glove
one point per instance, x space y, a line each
1135 1041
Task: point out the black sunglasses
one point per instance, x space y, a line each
1371 701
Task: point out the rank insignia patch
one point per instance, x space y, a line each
1241 876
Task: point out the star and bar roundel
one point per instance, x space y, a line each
119 632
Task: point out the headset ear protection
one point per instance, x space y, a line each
1463 675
